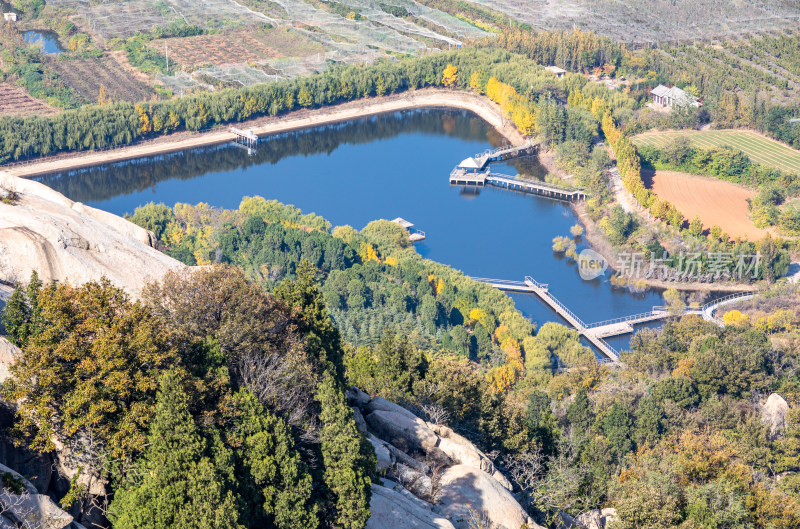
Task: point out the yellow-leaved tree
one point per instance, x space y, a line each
450 76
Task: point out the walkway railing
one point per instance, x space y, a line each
566 310
541 185
503 150
655 312
728 298
532 281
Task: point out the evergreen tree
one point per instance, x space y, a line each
649 417
323 341
349 459
177 484
579 411
616 425
542 423
21 318
275 484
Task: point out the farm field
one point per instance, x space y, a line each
15 101
648 21
237 47
716 202
86 75
759 148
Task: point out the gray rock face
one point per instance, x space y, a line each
68 241
381 404
382 453
469 482
37 467
361 424
392 510
34 511
8 355
399 429
356 397
465 489
591 520
609 515
774 413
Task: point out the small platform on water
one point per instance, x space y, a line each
245 136
414 234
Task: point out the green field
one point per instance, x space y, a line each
759 148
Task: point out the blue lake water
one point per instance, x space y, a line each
48 41
388 166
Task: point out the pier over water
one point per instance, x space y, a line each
475 172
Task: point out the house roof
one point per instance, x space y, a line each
469 163
555 69
674 93
660 90
403 222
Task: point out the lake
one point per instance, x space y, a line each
387 166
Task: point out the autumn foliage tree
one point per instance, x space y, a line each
90 368
450 76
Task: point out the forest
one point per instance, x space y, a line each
249 403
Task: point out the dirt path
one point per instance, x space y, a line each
716 202
481 106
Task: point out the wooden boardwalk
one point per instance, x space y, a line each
461 177
594 333
503 153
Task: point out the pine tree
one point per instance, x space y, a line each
178 485
274 481
323 341
579 411
21 317
348 458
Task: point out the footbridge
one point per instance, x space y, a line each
463 177
481 160
594 333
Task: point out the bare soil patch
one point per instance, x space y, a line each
15 101
86 75
236 47
716 202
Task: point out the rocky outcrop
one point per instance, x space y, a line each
381 404
609 516
392 510
773 413
23 506
43 230
462 451
8 355
361 424
400 430
465 490
430 462
591 520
